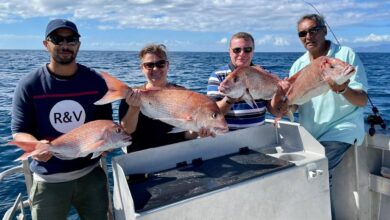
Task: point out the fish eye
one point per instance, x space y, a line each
118 130
214 115
235 79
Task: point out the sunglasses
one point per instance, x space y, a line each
311 31
159 64
237 50
59 40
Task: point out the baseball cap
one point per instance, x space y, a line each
61 23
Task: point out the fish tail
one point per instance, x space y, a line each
116 90
27 146
30 148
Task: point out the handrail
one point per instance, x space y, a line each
18 204
11 171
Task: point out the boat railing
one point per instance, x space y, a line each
17 209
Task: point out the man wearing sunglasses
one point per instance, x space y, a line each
238 113
335 118
49 102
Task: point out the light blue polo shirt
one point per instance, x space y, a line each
330 117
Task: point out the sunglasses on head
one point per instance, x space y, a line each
159 64
311 31
60 40
237 50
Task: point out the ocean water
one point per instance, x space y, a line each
189 69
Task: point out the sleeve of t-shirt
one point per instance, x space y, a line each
22 110
359 79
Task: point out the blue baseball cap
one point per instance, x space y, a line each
61 23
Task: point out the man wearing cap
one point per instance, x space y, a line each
49 102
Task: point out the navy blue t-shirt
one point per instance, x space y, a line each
46 107
150 132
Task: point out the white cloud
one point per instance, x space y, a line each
373 38
202 15
19 37
274 40
223 40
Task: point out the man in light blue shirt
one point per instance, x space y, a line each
334 118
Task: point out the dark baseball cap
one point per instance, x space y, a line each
61 23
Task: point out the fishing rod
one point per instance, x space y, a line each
375 118
326 23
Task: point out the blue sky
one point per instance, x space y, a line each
187 25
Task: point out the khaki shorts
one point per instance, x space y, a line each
88 195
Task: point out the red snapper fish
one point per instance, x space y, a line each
92 137
311 81
178 107
250 83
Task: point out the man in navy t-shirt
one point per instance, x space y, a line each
49 102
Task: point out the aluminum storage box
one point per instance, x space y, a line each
282 175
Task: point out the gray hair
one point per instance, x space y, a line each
243 35
320 21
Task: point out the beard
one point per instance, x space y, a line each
64 59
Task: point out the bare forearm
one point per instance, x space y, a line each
224 105
355 97
130 120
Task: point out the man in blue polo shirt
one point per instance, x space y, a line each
49 102
334 118
238 113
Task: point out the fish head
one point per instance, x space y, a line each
115 133
234 84
211 117
336 70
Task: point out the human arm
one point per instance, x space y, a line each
354 90
130 120
278 106
43 156
356 97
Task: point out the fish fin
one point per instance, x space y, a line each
27 146
291 115
186 119
109 97
176 130
62 157
96 154
249 100
116 90
91 148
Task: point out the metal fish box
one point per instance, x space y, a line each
262 172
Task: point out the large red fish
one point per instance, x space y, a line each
311 81
250 83
92 137
181 108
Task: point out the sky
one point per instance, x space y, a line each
193 25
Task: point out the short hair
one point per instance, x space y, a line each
320 21
243 35
157 49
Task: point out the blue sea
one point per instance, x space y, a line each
189 69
